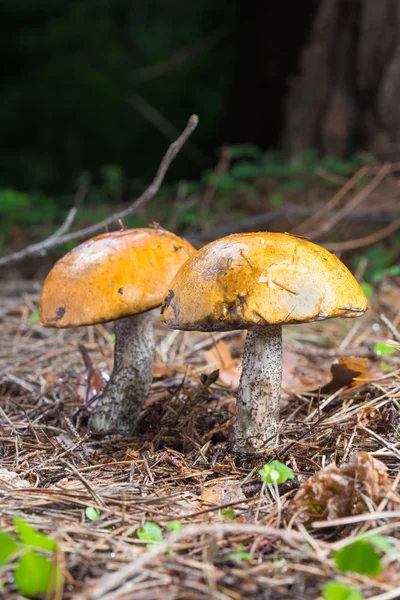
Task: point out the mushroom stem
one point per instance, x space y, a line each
257 407
119 404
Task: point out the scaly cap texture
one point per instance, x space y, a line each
251 279
110 276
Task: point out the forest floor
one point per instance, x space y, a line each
96 495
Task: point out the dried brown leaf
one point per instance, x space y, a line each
341 491
229 370
345 373
222 491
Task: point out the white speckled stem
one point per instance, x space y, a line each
257 407
119 405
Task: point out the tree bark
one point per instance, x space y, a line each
347 95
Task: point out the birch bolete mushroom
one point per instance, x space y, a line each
259 282
118 276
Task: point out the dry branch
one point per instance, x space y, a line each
115 580
60 237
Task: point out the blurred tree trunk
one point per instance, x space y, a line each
266 40
315 74
347 94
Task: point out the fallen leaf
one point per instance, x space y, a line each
88 386
222 492
345 373
342 491
229 369
299 374
161 371
368 416
9 479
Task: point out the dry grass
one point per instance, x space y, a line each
180 467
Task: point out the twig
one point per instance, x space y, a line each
382 442
110 582
84 481
303 227
391 595
395 333
66 225
180 57
360 197
164 125
288 210
365 241
374 516
148 194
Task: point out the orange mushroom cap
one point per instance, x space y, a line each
251 279
110 276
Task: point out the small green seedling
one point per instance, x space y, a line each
334 590
31 537
275 472
382 349
228 513
92 513
34 317
240 556
35 573
8 547
240 553
174 526
359 557
367 289
150 532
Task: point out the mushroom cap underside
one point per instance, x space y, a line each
113 275
251 279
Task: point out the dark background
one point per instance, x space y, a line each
93 91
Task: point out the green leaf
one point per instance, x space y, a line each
275 472
367 289
92 513
34 317
246 170
334 590
151 532
31 537
240 556
276 199
174 526
382 349
380 542
359 557
34 574
386 367
228 513
393 271
245 150
296 185
8 546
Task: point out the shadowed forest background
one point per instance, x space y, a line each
289 95
204 118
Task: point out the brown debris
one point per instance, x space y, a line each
181 455
341 491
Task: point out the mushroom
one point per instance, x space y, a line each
118 276
259 282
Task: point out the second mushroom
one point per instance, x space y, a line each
118 276
259 282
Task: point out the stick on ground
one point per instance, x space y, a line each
60 237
